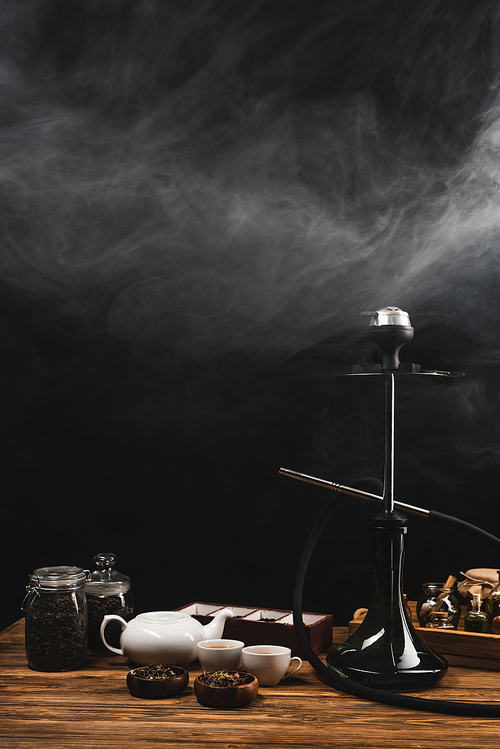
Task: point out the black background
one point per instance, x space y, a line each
198 200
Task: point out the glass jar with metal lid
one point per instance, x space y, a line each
56 618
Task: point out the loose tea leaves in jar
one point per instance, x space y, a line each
98 608
56 619
108 592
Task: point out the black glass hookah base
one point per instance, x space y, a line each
382 667
386 652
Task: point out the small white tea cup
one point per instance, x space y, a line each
269 663
215 655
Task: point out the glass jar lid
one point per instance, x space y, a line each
105 580
57 578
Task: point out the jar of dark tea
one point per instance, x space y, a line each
56 619
108 592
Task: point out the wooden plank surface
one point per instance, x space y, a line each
92 707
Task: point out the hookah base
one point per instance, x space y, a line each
389 676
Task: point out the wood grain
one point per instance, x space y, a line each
92 707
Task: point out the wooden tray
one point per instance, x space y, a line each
460 648
258 626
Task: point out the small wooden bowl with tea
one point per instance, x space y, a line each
225 688
157 681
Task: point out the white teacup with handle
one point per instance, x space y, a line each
215 655
269 663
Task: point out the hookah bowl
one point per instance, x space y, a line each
389 328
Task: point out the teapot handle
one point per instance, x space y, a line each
123 625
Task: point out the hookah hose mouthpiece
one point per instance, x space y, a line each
344 684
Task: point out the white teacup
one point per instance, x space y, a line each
215 655
269 663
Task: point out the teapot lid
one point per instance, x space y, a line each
163 617
105 580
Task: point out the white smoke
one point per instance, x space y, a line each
196 192
160 191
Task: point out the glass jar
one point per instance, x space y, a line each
492 608
428 603
56 619
108 592
439 620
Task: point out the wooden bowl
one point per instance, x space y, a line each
157 688
212 696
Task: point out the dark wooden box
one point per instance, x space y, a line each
250 625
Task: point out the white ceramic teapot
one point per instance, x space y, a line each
168 637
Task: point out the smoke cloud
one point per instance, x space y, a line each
199 197
152 179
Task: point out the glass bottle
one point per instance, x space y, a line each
428 603
56 619
108 592
476 620
492 607
439 620
385 651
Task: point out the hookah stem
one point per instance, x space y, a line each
391 586
389 445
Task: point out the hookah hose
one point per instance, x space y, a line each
466 709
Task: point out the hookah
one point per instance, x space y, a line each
385 655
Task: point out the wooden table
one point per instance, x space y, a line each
92 707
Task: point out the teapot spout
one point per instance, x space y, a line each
214 629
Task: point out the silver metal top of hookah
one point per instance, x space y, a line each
388 316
